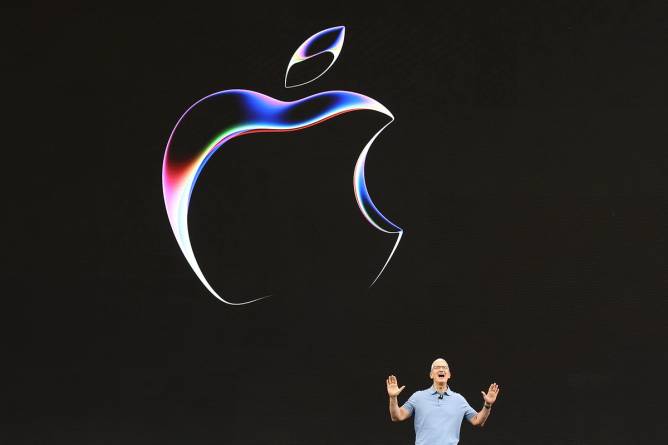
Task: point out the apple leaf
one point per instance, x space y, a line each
327 42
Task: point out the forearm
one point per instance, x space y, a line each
395 410
481 417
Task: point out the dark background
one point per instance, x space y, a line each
527 165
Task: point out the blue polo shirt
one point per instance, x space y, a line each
438 417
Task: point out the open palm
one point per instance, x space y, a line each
492 393
393 389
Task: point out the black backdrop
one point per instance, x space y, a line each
527 165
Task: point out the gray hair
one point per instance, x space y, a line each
434 362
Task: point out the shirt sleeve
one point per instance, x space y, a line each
469 412
410 404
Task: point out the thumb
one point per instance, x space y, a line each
483 394
401 389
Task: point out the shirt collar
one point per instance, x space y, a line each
448 391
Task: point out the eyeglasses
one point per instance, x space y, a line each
439 367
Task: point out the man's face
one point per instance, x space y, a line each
440 371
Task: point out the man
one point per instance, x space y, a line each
438 410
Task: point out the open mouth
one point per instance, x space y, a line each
441 374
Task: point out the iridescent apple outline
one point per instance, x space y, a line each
261 113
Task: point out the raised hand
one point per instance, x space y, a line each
393 389
492 393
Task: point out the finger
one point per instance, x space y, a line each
401 389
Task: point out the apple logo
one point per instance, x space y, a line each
219 117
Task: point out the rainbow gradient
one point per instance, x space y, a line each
232 113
